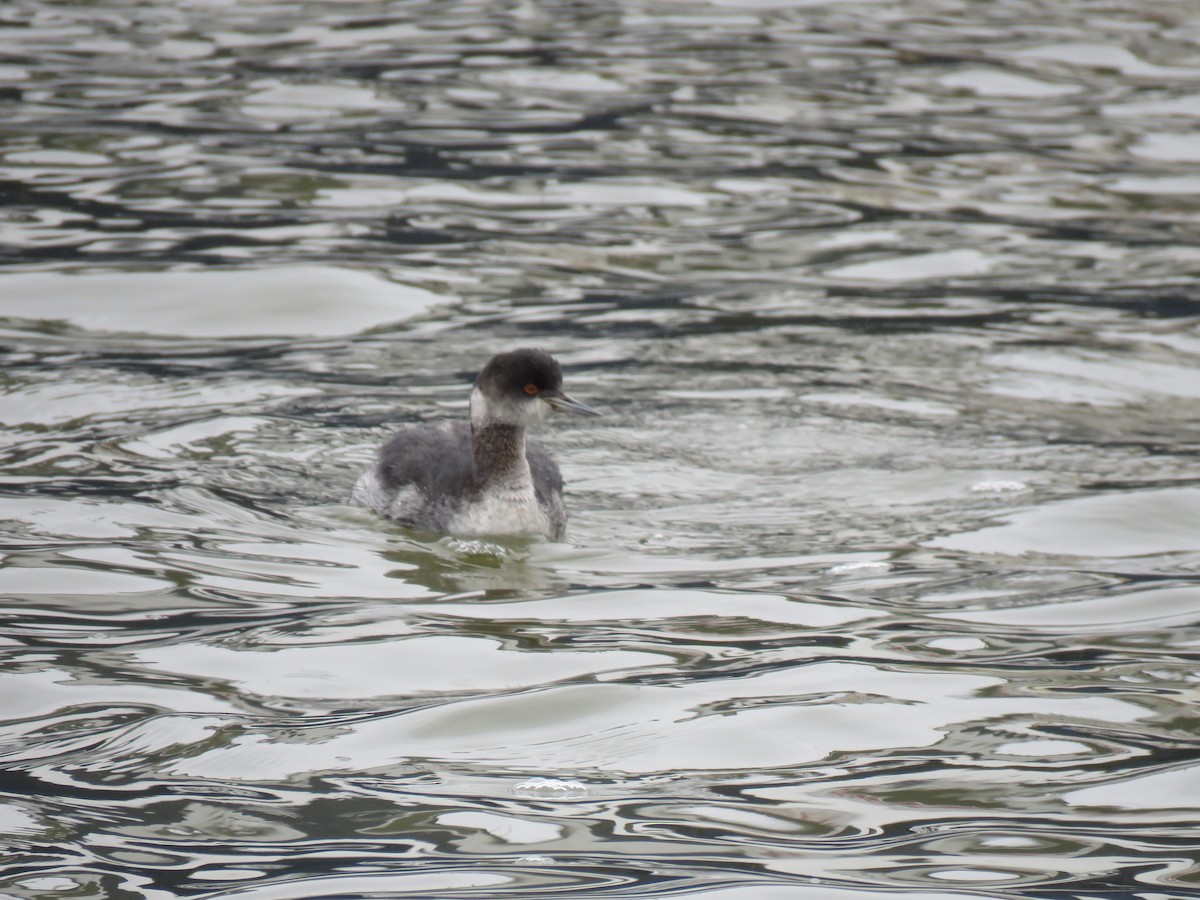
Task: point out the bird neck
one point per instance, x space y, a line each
498 451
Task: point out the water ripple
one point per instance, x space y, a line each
882 566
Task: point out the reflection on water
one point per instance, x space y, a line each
883 565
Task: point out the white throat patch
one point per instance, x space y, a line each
523 411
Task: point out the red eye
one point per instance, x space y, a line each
532 390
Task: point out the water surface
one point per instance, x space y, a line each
882 573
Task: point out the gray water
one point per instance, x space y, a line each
882 572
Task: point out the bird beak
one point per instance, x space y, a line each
563 403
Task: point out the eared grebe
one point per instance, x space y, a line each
480 478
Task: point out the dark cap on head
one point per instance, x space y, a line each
513 371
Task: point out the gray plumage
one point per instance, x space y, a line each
483 477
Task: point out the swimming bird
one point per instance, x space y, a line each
482 477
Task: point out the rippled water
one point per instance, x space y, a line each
882 576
